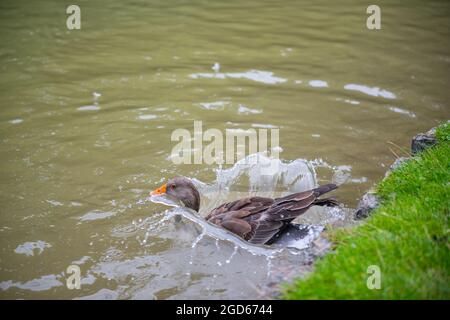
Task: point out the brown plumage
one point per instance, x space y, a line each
255 219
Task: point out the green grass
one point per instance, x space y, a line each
407 237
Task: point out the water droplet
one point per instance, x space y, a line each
15 121
216 67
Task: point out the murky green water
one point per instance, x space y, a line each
86 118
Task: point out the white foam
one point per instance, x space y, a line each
28 248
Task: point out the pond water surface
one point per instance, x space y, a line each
86 118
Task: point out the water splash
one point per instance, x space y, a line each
237 181
269 266
217 244
215 232
341 174
197 240
194 245
246 177
235 250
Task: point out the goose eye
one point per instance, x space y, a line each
172 186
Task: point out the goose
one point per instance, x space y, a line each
257 220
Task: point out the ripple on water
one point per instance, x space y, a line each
266 77
16 121
54 203
96 215
264 126
242 109
371 91
318 84
216 105
147 117
88 108
355 102
402 111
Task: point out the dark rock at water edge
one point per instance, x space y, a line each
423 141
397 164
369 202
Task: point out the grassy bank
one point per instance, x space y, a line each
407 237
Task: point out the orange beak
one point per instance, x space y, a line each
159 191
